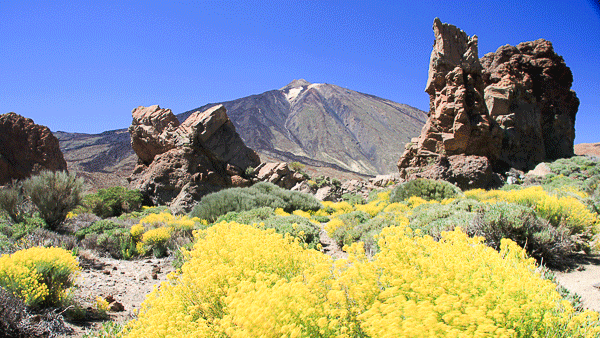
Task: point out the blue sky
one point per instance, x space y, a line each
83 66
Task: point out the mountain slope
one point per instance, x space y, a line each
320 125
325 124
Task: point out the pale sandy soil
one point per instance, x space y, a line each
127 281
584 280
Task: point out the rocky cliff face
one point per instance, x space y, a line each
511 109
180 163
528 92
26 148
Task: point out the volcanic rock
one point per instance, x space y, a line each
26 149
180 163
528 92
458 123
279 174
510 109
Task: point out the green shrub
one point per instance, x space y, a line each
426 189
249 172
576 167
353 199
434 218
349 232
19 230
543 241
98 227
292 224
54 194
248 217
296 226
108 238
13 202
262 194
297 167
113 201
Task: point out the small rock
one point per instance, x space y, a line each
106 272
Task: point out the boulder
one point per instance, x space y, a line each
278 173
180 163
464 171
26 149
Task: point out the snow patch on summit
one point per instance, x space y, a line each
293 93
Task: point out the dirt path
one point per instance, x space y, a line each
128 282
330 247
584 281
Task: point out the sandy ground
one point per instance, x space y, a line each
128 282
584 280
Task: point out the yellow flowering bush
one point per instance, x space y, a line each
153 232
566 210
39 276
242 281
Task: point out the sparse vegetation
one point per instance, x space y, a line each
54 194
112 202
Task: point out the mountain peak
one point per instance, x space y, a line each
296 84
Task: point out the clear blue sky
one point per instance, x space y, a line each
82 66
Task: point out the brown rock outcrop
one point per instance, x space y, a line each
26 148
458 122
180 163
278 173
510 109
528 92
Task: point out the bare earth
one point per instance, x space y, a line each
584 281
127 281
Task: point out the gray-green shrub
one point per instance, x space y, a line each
281 224
519 223
349 232
54 194
426 189
13 202
113 201
262 194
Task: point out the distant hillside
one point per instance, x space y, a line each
591 149
321 125
104 159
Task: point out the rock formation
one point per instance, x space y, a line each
26 148
180 163
278 173
458 123
528 92
510 109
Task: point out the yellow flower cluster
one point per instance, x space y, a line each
242 281
168 220
102 304
281 212
565 210
154 230
37 274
